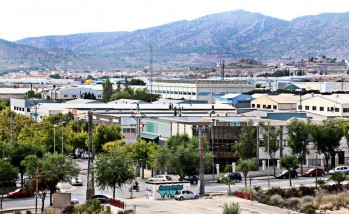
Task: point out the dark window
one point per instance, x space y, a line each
274 107
300 107
321 108
336 109
314 108
306 107
253 105
258 105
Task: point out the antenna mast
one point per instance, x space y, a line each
151 68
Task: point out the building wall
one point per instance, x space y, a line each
264 103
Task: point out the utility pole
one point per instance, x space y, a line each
63 123
212 144
37 174
201 184
54 139
222 65
11 128
90 191
268 157
138 116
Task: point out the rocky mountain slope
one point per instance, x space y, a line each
200 42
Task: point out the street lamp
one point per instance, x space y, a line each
54 138
63 123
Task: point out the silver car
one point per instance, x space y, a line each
160 178
342 169
185 194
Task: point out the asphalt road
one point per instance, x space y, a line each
79 192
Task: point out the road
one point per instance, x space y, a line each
79 192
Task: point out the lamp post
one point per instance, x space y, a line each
63 123
268 159
54 139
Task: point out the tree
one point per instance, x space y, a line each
142 151
2 104
137 82
180 155
107 90
245 147
8 174
270 140
246 166
289 163
19 151
327 137
88 95
53 168
104 133
113 170
298 132
32 94
55 76
228 181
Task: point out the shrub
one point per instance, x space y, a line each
276 200
293 203
307 208
257 188
308 199
248 190
304 190
338 177
69 210
321 183
232 208
275 190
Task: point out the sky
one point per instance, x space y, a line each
33 18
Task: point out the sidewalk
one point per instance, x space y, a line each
206 205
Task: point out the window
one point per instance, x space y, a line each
274 107
269 106
314 108
336 109
74 96
321 108
264 106
345 109
253 105
300 107
306 107
258 105
330 109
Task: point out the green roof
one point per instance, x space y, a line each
149 136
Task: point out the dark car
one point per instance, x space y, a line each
314 172
72 155
233 176
285 174
103 199
192 178
18 193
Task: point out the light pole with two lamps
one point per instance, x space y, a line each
54 138
63 123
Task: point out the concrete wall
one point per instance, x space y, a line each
61 199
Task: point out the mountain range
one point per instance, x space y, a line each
200 42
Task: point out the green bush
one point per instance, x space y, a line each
321 182
338 177
69 210
277 200
232 208
293 203
304 190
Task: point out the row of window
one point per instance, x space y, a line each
20 109
174 92
264 106
74 96
321 108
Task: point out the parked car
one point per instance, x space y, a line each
72 155
192 178
343 169
103 199
76 181
285 174
185 194
160 178
233 176
18 193
74 201
314 172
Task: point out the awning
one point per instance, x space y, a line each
149 136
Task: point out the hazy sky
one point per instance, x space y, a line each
31 18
